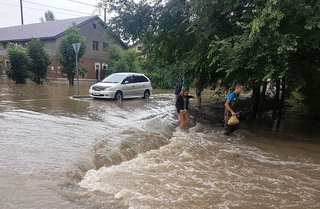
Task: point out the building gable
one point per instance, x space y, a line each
43 30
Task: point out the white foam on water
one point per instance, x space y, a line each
199 168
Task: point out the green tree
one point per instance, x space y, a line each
67 55
161 29
49 16
1 66
40 61
122 61
253 42
276 41
83 71
19 63
114 59
131 58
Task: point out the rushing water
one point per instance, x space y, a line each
60 152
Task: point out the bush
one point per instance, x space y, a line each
19 64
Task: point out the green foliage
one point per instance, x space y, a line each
39 62
163 76
19 64
67 55
252 42
49 16
122 61
83 71
115 59
1 66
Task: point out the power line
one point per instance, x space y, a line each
44 5
79 2
39 9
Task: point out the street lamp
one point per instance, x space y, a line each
76 47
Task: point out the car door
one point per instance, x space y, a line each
127 87
138 86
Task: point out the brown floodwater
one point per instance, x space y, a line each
61 152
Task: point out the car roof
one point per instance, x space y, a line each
127 73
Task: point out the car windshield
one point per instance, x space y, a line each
114 78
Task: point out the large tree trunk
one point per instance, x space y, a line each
256 101
277 109
263 96
284 92
263 92
71 79
277 95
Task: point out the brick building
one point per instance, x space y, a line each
50 33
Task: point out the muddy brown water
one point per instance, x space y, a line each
60 152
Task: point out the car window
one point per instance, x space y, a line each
113 78
140 78
129 79
144 79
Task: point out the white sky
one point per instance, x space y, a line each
10 10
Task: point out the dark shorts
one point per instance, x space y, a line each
177 93
198 92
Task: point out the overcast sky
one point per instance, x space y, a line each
33 10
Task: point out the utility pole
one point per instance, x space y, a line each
105 13
21 9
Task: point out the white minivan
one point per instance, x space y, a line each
122 85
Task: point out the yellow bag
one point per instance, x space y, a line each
233 120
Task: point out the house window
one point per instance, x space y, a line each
25 44
95 45
3 45
105 46
94 25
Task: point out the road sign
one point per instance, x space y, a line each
76 47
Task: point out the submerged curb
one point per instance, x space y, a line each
81 97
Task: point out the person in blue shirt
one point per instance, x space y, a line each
231 109
177 89
186 83
199 89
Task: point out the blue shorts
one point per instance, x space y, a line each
177 93
198 92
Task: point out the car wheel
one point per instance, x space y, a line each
118 96
146 94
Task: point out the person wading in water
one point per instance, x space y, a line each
177 89
231 109
182 106
199 89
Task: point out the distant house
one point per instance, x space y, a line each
93 28
138 47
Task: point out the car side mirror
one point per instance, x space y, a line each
126 82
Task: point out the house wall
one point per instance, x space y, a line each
3 51
51 47
94 60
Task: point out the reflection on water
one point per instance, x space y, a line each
60 152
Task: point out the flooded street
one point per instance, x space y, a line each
60 152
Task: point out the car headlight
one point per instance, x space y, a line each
108 89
